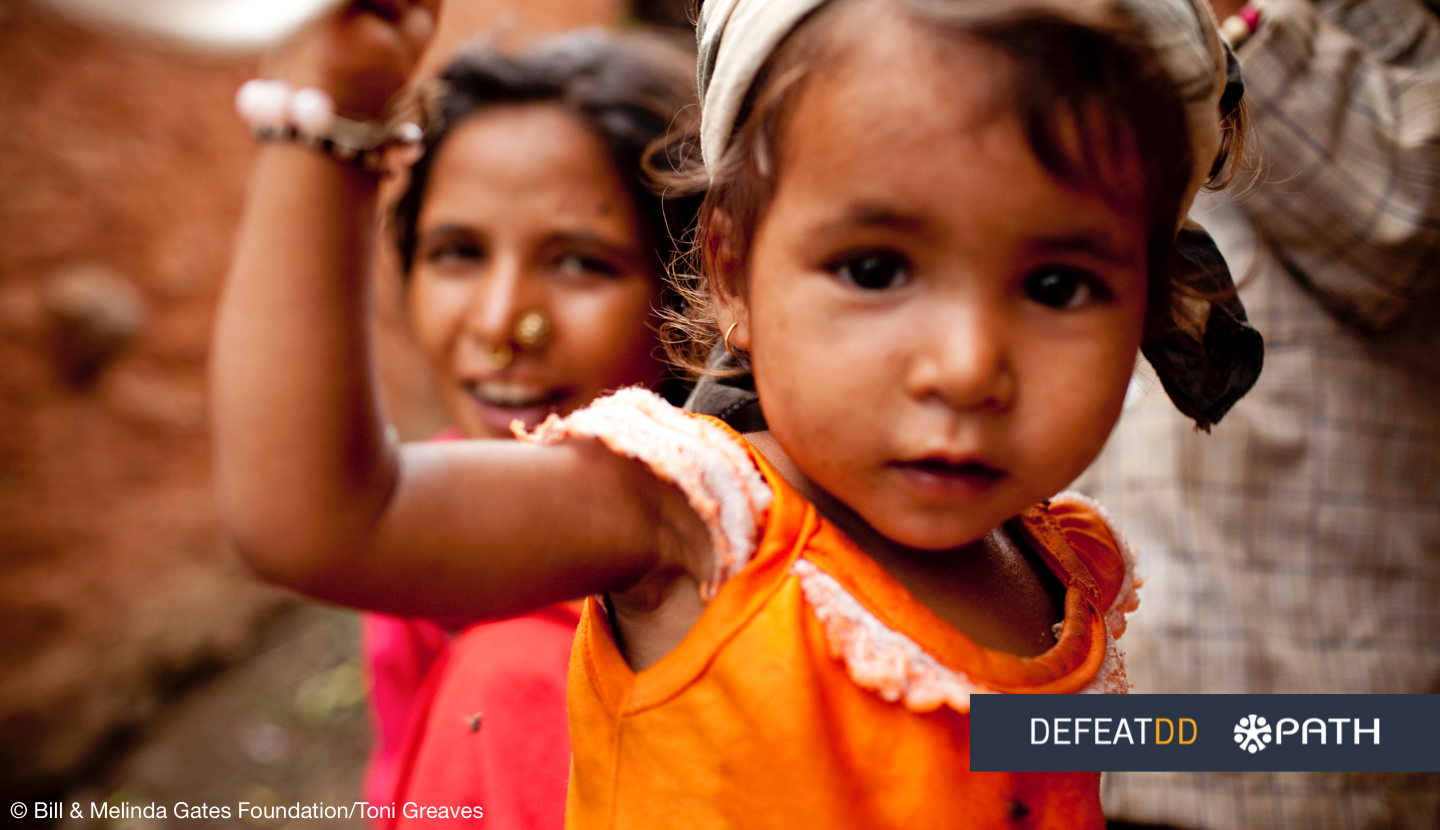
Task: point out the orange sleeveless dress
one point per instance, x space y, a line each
814 691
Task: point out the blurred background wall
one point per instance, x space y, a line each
122 169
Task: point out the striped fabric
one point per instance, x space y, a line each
1297 548
1346 97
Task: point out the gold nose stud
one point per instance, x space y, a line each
532 330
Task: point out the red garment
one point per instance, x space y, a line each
398 655
427 688
489 728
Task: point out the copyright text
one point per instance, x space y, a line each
50 810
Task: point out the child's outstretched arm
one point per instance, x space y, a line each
313 490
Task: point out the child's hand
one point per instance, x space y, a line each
362 53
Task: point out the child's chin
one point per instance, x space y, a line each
942 524
927 532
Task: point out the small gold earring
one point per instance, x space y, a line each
497 357
532 330
726 342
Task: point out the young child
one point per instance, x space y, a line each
939 231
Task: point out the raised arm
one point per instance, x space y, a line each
1346 99
313 489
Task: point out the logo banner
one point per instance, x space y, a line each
1204 733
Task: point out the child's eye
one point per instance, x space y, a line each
872 270
578 264
1064 288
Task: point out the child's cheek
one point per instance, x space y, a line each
1075 403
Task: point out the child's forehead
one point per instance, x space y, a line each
908 103
869 51
739 37
948 174
890 79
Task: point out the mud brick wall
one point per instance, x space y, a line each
122 169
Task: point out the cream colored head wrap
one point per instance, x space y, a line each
736 37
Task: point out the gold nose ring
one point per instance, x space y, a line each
532 330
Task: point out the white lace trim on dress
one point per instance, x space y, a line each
877 657
887 662
714 472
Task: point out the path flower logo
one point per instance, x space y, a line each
1252 733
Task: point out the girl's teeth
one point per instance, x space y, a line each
509 394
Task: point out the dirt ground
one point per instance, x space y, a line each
285 726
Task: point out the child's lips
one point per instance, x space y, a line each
949 477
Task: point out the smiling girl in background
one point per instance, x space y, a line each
532 253
938 232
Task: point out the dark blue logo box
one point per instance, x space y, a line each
1202 733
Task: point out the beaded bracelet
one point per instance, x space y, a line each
276 111
1239 26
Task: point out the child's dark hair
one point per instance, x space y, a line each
1098 79
630 90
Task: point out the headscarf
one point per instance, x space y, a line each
737 37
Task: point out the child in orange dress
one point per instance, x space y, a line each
938 233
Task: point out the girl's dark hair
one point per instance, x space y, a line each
1099 84
631 90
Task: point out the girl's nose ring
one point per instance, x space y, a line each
532 330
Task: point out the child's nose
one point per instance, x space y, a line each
962 360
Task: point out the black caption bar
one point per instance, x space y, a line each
1205 733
